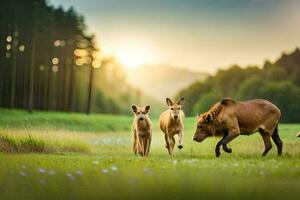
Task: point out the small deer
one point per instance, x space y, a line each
142 130
171 123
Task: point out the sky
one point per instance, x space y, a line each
200 35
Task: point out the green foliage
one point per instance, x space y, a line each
276 82
206 101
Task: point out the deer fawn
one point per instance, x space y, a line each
142 130
171 123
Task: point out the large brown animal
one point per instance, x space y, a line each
229 119
142 130
171 123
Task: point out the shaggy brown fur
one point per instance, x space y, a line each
229 118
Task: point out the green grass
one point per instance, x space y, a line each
109 170
13 141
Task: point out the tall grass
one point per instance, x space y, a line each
19 119
14 141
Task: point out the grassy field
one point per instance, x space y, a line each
74 156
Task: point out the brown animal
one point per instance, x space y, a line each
142 130
171 123
229 119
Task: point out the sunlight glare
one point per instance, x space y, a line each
135 54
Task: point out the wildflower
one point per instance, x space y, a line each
114 168
147 170
104 171
70 176
96 162
23 173
41 170
79 172
51 172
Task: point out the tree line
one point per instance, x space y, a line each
48 61
278 82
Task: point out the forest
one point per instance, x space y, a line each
278 82
49 61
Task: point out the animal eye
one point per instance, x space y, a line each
138 113
144 113
172 108
179 108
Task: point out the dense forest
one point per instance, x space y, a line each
278 82
48 61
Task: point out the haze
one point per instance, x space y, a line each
202 35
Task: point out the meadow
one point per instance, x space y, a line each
48 155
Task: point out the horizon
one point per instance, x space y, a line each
192 34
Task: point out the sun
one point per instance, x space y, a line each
135 54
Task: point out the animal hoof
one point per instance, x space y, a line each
218 154
180 146
228 150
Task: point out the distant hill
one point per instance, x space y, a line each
278 82
160 81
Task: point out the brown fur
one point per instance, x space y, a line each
229 118
142 130
171 123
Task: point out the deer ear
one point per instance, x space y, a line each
181 101
147 108
208 118
134 108
169 102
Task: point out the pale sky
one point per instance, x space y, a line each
201 35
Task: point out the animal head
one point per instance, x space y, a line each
140 112
203 127
175 108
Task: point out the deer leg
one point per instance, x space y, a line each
148 146
142 146
168 144
172 143
180 140
145 146
134 147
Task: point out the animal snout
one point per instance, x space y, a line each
197 139
141 118
175 117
